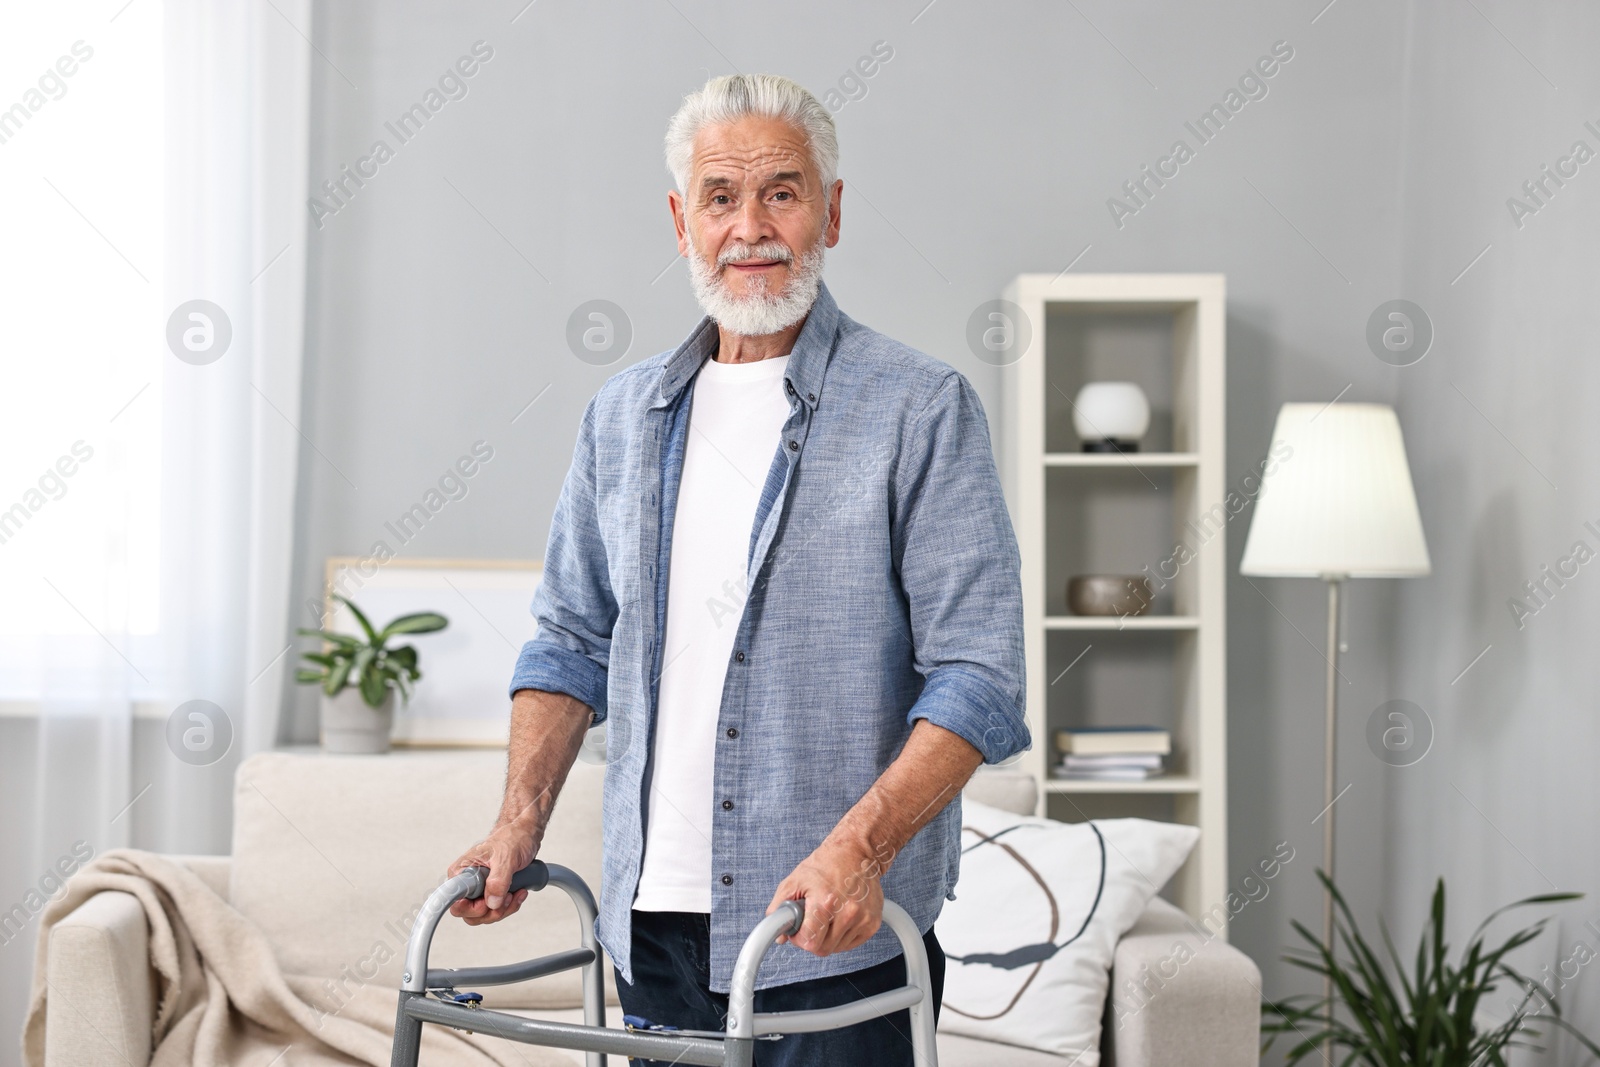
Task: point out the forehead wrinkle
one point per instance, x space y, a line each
723 181
753 161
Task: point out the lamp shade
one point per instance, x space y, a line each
1337 498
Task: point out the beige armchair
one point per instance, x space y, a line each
332 855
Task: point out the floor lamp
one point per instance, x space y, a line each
1336 502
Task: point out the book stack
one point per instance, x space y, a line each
1113 753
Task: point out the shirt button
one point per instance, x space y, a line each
733 731
811 397
794 446
739 656
727 879
727 805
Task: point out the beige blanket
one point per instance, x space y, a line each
221 999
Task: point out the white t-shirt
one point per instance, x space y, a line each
735 422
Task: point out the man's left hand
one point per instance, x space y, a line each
841 885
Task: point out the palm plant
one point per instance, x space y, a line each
370 665
1428 1019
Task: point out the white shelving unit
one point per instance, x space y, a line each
1098 513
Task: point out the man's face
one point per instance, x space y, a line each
753 182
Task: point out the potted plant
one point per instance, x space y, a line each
1432 1017
359 678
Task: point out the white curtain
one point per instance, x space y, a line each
237 92
169 167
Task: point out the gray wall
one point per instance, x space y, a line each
1375 168
1504 446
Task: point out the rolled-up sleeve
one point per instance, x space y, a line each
961 574
574 605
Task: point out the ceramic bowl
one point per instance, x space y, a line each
1109 594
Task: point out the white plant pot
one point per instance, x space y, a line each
351 726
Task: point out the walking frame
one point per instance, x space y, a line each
735 1048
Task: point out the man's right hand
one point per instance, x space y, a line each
547 730
508 848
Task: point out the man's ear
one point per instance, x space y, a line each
834 196
675 204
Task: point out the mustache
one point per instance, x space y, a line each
739 252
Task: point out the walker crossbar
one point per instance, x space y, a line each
857 1011
594 1040
744 1025
506 973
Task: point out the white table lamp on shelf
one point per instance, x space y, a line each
1338 505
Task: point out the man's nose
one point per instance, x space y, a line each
752 222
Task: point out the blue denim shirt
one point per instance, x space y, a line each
883 586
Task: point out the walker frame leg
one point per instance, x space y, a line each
407 1034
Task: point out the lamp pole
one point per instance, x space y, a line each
1335 583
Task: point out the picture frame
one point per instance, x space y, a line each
461 700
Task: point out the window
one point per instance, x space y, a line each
82 334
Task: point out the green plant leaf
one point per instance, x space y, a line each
361 618
374 687
423 622
336 678
368 665
1394 960
1429 1020
344 640
309 677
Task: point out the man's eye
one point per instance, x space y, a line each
783 193
720 198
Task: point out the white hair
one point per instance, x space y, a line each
736 96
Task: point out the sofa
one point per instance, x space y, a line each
331 856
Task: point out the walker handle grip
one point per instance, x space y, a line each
535 876
798 907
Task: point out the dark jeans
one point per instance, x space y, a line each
671 968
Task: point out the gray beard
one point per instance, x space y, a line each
761 312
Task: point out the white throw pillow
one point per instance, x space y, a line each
1038 912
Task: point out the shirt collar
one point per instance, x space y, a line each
808 361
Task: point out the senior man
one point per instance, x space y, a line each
781 572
